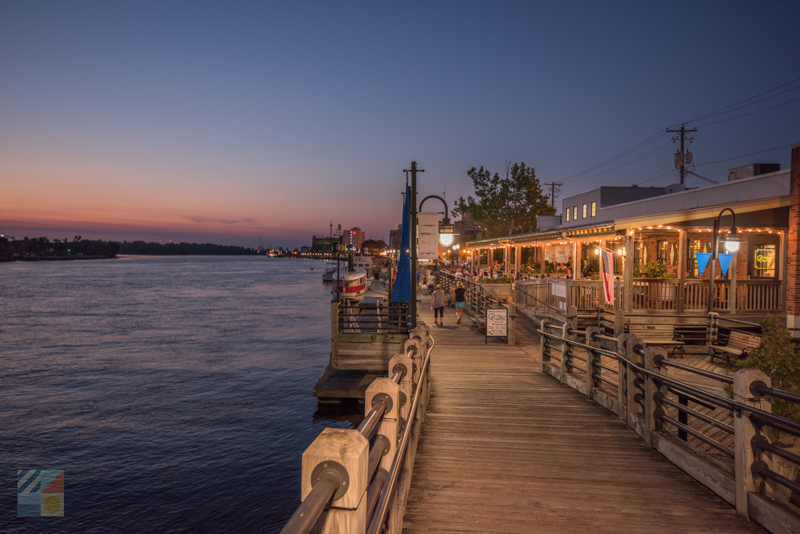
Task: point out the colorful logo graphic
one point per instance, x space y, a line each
40 492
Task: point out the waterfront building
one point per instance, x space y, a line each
668 226
354 238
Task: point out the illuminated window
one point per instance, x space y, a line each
594 209
695 246
567 214
663 251
584 211
575 213
764 261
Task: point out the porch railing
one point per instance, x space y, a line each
650 294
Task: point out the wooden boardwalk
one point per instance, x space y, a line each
505 448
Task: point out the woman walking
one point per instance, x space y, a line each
437 305
460 301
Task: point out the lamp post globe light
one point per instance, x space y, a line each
732 241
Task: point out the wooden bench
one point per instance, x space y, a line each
662 335
738 344
691 333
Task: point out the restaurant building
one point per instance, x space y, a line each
655 234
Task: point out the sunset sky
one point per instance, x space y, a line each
195 121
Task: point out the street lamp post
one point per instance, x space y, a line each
413 242
731 245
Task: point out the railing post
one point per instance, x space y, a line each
592 358
713 329
544 352
335 334
743 433
624 379
512 317
652 406
406 385
619 320
566 358
635 410
386 390
343 450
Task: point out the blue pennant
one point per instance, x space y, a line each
702 261
725 262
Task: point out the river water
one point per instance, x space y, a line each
175 392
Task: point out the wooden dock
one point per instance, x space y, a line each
506 448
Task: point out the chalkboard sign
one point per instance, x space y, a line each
496 323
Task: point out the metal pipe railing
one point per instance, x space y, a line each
660 397
379 448
372 419
695 370
382 508
659 414
761 469
374 490
306 515
761 389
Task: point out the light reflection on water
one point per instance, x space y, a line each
174 391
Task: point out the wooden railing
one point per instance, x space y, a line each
656 295
362 318
660 399
357 480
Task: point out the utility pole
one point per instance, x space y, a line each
553 190
412 202
683 131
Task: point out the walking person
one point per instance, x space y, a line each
437 305
461 301
431 283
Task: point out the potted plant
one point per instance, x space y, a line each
779 358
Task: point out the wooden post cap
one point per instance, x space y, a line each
346 447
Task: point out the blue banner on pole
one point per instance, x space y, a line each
725 262
702 261
401 292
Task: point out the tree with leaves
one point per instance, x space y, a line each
505 205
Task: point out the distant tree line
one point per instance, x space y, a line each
42 247
182 249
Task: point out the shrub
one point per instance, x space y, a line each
779 358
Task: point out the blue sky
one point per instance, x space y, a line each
197 121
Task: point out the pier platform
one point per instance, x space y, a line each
506 448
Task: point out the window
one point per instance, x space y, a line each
638 252
695 246
584 211
575 213
594 209
567 214
662 252
764 261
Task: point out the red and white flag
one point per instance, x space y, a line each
607 272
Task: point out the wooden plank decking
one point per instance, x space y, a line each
505 448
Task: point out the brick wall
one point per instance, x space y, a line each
793 267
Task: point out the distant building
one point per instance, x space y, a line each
464 229
323 243
354 238
394 237
304 250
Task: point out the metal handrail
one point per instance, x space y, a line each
660 397
787 425
695 370
382 508
312 506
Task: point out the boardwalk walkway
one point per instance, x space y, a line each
505 448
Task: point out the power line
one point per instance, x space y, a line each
657 177
743 155
721 110
751 113
620 166
616 158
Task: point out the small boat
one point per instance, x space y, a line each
350 286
